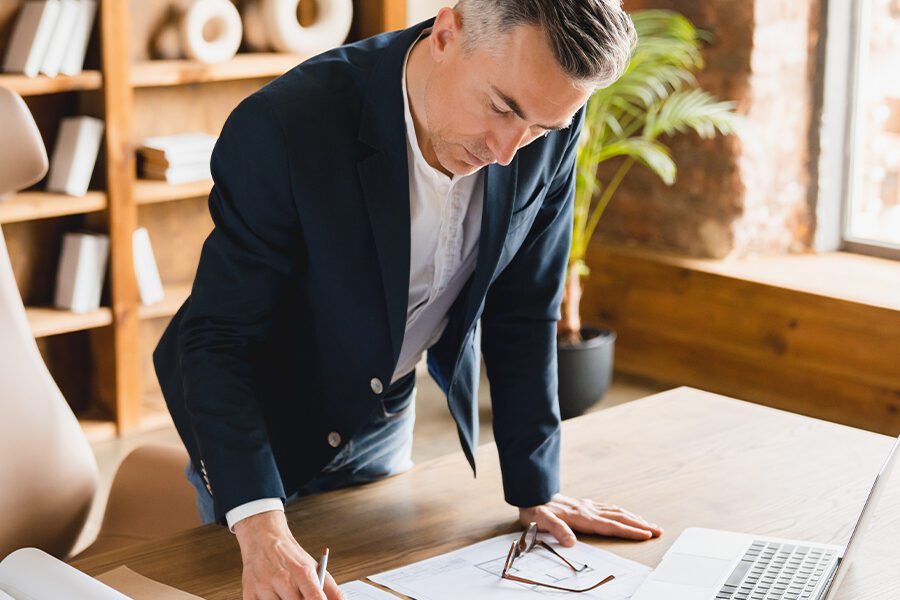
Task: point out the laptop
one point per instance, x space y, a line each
708 564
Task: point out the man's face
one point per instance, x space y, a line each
483 106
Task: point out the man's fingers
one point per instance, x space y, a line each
284 587
612 528
307 579
332 591
635 521
556 527
618 513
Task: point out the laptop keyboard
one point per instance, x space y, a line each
773 571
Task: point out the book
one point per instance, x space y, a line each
75 155
182 147
179 174
73 62
145 269
31 36
81 271
182 161
59 40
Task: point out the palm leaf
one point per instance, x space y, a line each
656 95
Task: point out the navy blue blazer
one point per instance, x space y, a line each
300 297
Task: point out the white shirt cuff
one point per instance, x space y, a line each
248 509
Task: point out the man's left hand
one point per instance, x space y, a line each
563 514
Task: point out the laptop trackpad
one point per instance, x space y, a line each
688 569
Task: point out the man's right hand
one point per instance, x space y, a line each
275 566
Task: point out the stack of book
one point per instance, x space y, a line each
180 158
50 37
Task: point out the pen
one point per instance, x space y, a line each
323 564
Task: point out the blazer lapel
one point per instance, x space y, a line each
384 178
499 193
387 201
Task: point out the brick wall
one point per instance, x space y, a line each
736 196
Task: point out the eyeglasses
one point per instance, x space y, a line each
527 542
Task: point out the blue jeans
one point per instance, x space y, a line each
383 447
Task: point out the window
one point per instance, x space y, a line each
860 163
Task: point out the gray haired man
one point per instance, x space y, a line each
373 204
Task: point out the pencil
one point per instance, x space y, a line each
323 564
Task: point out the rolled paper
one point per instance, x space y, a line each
286 34
167 43
221 18
255 37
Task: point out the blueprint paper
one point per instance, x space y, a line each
357 590
474 573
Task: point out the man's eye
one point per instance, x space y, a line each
498 110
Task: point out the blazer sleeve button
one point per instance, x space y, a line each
334 439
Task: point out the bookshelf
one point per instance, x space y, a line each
28 86
158 73
47 321
152 192
102 359
29 206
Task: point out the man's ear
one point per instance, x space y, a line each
446 34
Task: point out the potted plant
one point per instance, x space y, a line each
657 95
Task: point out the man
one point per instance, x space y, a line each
372 204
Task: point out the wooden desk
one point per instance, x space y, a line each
681 458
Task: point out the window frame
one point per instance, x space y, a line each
840 137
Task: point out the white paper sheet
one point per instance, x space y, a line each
474 573
357 590
30 574
136 586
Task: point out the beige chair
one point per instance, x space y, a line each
48 475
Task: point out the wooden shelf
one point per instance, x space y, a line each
36 86
28 206
99 426
176 294
47 321
251 65
147 191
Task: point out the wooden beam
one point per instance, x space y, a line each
124 393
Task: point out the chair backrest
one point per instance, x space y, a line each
23 158
48 475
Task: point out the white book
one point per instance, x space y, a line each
180 174
75 155
73 61
181 147
145 270
59 41
31 574
31 37
82 268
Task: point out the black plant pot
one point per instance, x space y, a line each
585 370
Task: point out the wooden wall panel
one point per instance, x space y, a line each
806 353
195 107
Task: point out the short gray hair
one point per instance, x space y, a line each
592 40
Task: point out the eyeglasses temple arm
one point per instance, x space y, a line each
557 587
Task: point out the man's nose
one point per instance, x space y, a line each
507 142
